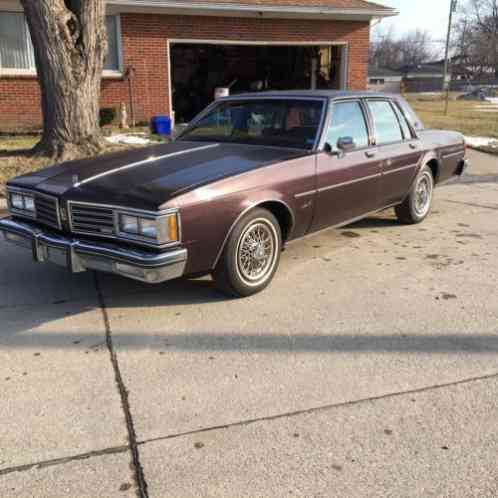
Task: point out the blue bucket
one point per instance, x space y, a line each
161 125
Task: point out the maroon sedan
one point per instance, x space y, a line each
248 175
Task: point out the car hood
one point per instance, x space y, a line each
147 178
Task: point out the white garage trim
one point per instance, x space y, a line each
251 10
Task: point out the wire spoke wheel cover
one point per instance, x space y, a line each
257 252
423 194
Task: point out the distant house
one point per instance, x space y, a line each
384 80
427 77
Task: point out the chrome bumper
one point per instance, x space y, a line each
80 255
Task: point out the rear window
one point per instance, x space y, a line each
387 128
410 115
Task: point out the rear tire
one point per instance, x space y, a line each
251 255
417 206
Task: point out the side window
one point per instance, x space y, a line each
387 128
348 120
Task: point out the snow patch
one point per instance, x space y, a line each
477 142
125 139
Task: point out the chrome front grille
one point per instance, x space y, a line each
92 220
47 210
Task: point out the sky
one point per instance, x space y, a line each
429 15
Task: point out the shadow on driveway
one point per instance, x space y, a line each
15 331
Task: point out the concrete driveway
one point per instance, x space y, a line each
369 368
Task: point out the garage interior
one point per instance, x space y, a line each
198 69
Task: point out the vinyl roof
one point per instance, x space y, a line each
328 94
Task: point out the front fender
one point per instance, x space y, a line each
207 225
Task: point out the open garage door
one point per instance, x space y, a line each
197 69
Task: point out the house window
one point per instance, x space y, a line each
16 49
112 59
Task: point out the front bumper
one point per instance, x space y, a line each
81 255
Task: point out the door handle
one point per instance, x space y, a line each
370 154
413 146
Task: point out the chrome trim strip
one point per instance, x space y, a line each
305 194
399 169
453 154
145 161
350 182
356 180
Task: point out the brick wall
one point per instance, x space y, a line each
145 47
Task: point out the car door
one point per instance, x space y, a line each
398 148
348 183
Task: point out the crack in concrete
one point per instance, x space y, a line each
322 408
61 461
242 423
471 204
123 392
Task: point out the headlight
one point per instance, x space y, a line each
160 230
17 201
22 202
29 204
148 228
128 224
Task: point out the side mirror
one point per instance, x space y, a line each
346 144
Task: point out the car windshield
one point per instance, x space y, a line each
281 123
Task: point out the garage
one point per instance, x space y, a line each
199 68
167 57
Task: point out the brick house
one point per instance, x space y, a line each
168 56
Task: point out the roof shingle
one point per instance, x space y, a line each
327 4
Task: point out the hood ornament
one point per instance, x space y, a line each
75 180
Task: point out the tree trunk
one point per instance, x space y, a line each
70 45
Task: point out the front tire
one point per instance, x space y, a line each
417 206
251 255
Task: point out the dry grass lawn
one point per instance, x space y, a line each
470 118
14 157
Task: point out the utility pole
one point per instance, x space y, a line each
446 81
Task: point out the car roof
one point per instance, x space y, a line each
328 94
